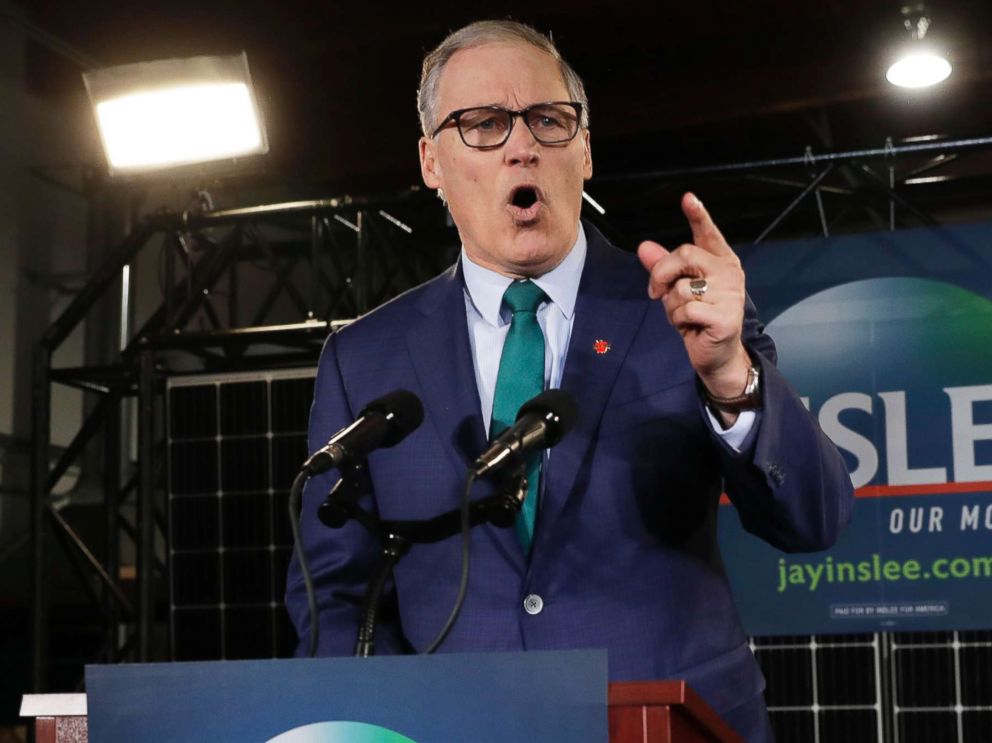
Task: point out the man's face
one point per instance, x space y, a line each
481 186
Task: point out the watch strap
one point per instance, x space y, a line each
749 399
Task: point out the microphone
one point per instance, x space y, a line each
540 424
382 423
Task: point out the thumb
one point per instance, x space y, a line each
649 253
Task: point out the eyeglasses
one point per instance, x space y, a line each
486 127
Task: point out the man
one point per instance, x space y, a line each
676 385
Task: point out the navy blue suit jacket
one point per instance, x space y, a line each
625 553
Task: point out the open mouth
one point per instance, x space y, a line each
524 197
525 203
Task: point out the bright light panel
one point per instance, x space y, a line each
174 112
180 125
919 70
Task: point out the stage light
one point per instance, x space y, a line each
919 65
175 112
919 70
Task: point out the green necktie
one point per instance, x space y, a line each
521 377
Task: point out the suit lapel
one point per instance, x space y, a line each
442 359
610 307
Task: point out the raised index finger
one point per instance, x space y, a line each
705 233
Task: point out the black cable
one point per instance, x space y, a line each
295 516
463 585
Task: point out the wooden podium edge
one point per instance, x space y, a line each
673 694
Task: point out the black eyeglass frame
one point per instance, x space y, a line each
454 116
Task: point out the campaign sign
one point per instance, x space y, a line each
483 697
898 371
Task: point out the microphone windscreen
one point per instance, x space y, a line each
557 408
403 412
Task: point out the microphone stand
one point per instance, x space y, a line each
341 505
395 547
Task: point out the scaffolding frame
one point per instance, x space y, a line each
195 264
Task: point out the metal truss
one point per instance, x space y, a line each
311 264
864 179
261 287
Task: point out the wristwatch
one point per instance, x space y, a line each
749 399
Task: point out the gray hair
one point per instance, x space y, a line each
477 34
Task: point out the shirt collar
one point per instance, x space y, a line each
485 288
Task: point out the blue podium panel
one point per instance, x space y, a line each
548 696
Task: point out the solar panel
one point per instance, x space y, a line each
907 687
235 443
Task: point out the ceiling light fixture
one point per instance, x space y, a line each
919 65
176 112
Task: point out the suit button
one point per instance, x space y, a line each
533 604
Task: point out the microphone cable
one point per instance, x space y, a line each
295 518
463 583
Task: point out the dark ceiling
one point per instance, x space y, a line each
670 84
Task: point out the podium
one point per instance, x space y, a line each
639 712
663 712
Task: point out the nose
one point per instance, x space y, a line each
521 148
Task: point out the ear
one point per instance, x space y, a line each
430 169
587 158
